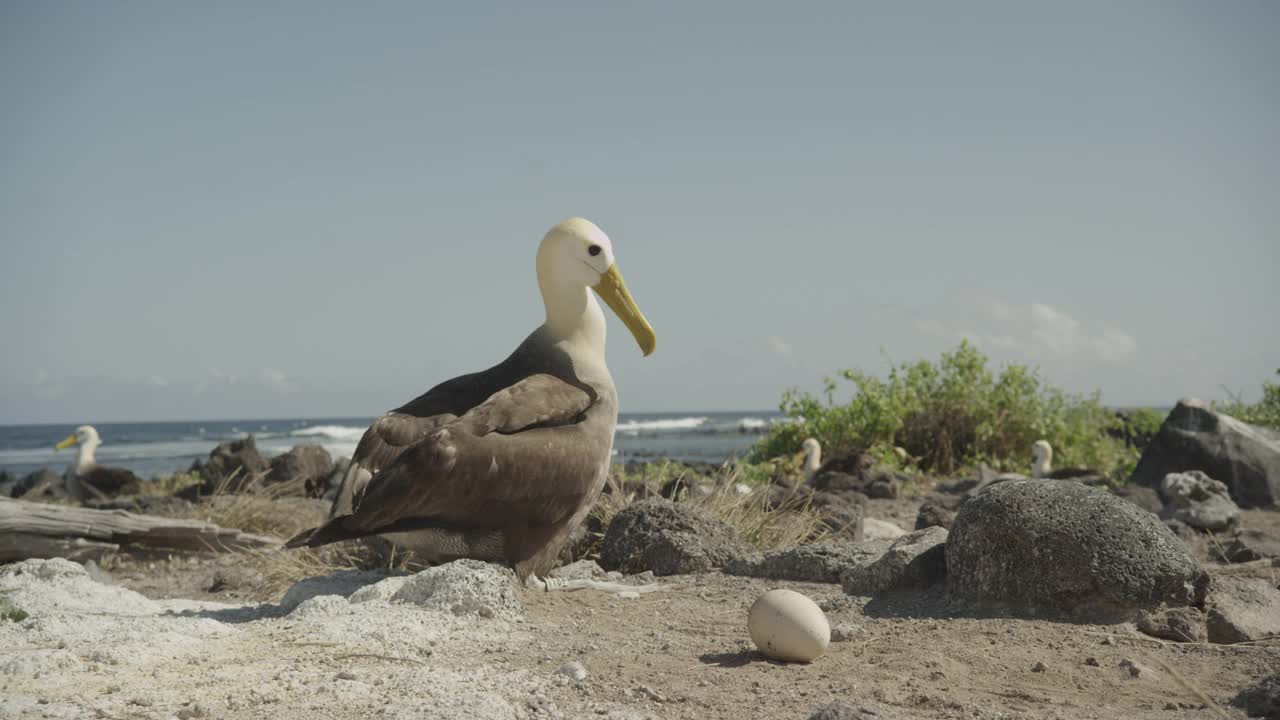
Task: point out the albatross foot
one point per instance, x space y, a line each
559 584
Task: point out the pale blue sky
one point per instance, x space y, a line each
244 209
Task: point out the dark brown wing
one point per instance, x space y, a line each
111 480
526 455
410 423
390 434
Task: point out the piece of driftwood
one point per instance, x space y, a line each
40 530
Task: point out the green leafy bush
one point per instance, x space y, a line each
1265 412
949 415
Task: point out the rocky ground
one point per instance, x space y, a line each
186 637
980 597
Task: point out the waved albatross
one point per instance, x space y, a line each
501 465
87 479
1042 467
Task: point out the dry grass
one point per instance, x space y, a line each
266 510
757 522
170 485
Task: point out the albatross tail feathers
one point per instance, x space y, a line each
330 532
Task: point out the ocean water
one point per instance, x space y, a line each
163 448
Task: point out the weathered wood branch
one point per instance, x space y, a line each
40 530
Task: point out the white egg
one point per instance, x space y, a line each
786 625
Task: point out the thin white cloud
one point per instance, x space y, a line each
1036 330
780 347
275 379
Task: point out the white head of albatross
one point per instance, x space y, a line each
1041 458
86 439
812 458
573 256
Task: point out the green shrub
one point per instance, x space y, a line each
1265 412
949 415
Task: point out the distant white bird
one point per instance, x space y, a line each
1042 465
85 478
812 458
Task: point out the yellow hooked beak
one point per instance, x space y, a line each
613 290
67 442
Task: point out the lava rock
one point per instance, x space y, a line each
1193 437
1180 624
1242 609
1249 545
42 483
668 539
1261 699
305 466
1199 501
1144 497
938 511
917 559
824 562
871 482
232 467
1067 548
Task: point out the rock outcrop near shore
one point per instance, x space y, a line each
1246 458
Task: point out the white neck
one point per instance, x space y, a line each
84 456
1040 466
574 318
812 461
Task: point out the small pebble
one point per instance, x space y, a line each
1136 669
1092 662
573 670
194 710
1039 667
843 632
651 694
346 675
628 594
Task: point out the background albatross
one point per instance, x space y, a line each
86 479
502 464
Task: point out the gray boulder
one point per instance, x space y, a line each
1242 609
305 466
1144 497
1244 457
1067 548
824 562
938 510
1261 699
42 483
668 539
1248 545
873 482
233 466
1199 501
1180 624
917 559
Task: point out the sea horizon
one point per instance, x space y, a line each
164 447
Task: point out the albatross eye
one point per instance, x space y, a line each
593 250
